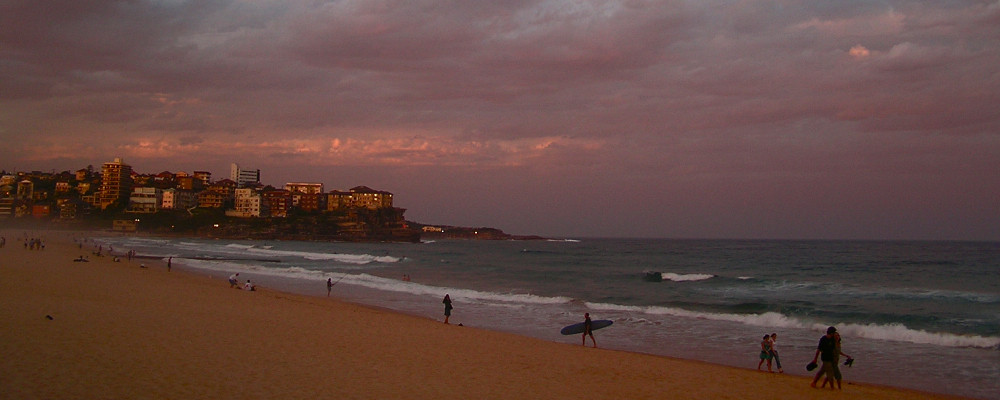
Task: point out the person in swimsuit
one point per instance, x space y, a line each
329 286
587 330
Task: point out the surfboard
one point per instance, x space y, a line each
578 328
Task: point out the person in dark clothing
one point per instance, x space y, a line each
447 307
587 330
829 352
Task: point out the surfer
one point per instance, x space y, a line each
447 307
587 330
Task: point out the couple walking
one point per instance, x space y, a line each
828 351
769 353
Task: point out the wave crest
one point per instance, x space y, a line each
893 332
670 276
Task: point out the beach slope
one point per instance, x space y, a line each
105 329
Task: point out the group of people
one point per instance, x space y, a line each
828 351
769 353
235 284
31 244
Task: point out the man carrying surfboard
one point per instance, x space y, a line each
588 330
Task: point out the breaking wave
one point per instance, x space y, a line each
892 332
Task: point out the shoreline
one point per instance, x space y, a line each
122 331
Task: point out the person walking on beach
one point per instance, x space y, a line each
765 353
774 353
233 282
588 330
447 307
829 352
329 286
169 262
837 376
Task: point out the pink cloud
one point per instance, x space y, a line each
715 98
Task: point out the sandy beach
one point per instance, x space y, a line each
106 329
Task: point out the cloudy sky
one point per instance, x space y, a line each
807 119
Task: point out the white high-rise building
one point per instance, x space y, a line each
243 176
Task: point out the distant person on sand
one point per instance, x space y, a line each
233 283
249 286
329 286
774 352
169 262
447 307
765 353
588 330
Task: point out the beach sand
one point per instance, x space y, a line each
119 331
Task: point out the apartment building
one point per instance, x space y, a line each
248 204
179 199
116 182
360 197
211 199
366 197
244 176
204 176
279 202
306 188
25 190
145 200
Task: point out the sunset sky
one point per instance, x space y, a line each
809 119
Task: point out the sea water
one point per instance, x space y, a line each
921 315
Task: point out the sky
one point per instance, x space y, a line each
807 119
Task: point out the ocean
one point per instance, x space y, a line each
919 315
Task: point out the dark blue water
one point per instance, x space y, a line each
923 315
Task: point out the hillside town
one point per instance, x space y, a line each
116 197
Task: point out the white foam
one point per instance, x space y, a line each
893 332
899 332
670 276
394 285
